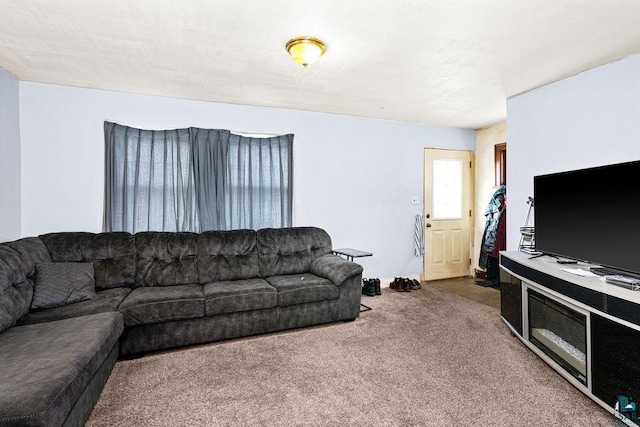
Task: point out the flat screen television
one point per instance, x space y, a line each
590 215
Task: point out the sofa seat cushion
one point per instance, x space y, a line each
104 301
155 304
239 295
46 367
302 288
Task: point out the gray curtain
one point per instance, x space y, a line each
260 191
211 152
196 180
149 181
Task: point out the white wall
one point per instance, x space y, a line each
590 119
485 179
354 177
9 158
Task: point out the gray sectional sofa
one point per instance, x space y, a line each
72 303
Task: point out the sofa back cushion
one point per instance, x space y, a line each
166 259
227 255
290 250
112 255
18 261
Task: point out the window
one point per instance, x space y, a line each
195 180
500 157
447 189
260 175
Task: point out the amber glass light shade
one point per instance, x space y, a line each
305 50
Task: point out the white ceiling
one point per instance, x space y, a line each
443 62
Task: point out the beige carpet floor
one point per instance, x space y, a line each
425 358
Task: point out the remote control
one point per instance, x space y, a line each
624 281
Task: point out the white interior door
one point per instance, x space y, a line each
447 211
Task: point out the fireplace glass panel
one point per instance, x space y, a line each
560 332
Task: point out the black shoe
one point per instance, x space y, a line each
376 283
415 284
368 288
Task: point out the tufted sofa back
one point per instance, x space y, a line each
166 259
290 250
227 255
113 255
17 270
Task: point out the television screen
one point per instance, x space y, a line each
590 215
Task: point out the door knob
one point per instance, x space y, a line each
428 225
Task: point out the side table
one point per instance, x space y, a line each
350 254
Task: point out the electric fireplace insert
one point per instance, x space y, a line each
560 332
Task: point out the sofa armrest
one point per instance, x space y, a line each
335 268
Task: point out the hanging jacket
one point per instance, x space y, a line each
495 209
501 235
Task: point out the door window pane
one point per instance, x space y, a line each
447 189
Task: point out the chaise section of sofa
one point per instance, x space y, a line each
52 373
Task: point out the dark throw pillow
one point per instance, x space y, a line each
62 283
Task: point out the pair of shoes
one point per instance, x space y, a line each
400 284
368 288
404 284
376 285
371 287
396 285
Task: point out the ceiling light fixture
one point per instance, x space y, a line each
305 50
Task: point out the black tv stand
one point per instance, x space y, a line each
608 319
